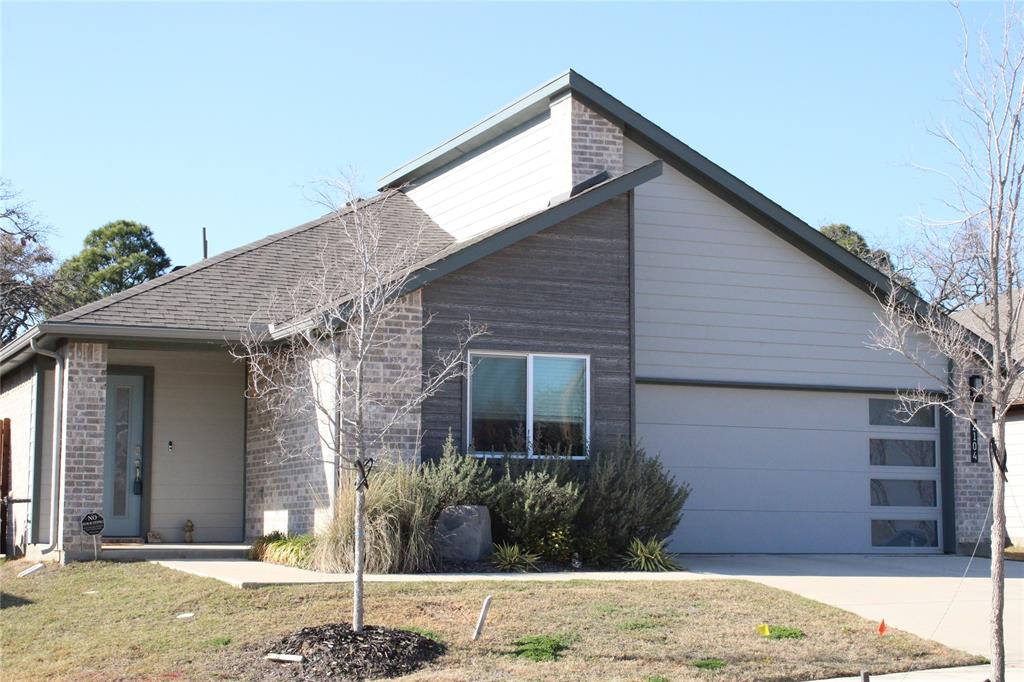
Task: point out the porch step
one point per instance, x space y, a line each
143 552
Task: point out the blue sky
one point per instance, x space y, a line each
184 115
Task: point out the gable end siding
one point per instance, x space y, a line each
722 298
563 290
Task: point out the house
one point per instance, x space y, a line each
665 299
978 319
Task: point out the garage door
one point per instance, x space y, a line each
795 471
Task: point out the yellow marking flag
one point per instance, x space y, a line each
763 630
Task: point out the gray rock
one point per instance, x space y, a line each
463 533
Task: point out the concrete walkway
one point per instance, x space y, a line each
975 673
925 595
253 574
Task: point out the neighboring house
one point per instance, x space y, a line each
660 297
976 319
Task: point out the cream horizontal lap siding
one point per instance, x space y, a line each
720 297
198 405
506 179
17 403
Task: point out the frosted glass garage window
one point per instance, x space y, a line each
889 412
528 404
904 533
902 453
896 492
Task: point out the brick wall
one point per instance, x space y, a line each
85 398
972 483
288 482
596 144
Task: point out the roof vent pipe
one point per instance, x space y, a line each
58 410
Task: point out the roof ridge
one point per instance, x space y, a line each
175 276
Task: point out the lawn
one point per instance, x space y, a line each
107 621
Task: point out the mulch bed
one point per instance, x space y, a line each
333 651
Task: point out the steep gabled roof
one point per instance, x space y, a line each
221 293
663 145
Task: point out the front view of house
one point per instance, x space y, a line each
631 289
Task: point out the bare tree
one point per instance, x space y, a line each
333 355
26 265
969 267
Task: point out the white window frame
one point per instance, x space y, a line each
529 355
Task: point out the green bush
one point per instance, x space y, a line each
536 510
279 548
541 647
458 479
648 555
626 494
511 558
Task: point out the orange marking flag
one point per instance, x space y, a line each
882 628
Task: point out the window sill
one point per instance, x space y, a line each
523 455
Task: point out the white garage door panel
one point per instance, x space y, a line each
1015 479
774 491
773 470
787 532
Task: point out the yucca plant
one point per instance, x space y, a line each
649 555
512 558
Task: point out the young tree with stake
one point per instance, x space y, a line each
969 268
332 355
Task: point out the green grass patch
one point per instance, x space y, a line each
217 641
637 624
709 664
657 678
541 647
783 632
424 632
606 609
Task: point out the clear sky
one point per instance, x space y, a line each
184 115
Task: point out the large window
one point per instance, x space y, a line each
529 403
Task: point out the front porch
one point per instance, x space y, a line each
151 437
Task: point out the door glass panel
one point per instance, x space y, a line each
904 533
498 406
122 418
889 412
559 404
902 453
902 493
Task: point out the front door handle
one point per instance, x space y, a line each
138 475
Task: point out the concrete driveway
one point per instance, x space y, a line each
920 594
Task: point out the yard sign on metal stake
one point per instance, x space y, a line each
92 524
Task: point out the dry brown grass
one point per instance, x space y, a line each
49 628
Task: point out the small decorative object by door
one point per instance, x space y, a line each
188 528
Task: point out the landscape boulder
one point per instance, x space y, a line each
463 533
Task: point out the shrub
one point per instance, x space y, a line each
627 494
511 558
401 510
541 647
709 664
649 555
458 479
783 632
279 548
536 510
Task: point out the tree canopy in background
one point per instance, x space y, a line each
26 265
854 242
114 257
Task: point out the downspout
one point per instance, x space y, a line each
58 410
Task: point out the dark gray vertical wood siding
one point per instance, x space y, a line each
563 290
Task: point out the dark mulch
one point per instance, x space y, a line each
333 651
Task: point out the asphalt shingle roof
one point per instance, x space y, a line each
226 291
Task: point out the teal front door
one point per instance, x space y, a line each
122 479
